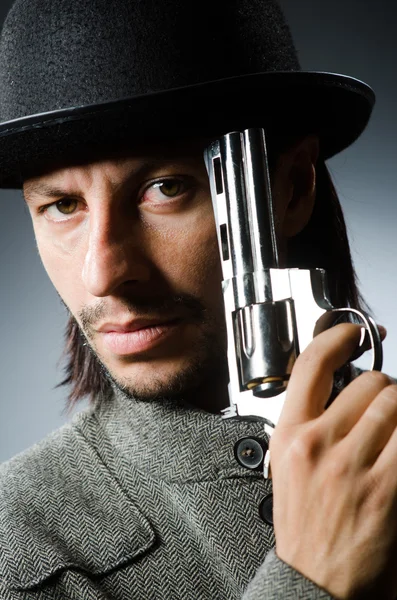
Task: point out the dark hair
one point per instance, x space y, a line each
322 243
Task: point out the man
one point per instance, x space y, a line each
106 109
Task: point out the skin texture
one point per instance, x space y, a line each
117 248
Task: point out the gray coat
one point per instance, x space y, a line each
139 501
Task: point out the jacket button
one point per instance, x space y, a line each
266 509
250 452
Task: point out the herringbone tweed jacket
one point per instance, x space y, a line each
139 501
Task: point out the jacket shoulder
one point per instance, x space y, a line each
60 507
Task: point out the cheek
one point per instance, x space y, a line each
62 269
191 248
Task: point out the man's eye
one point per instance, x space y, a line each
156 193
167 188
66 206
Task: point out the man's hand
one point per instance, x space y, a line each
335 474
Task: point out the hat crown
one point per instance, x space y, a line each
57 54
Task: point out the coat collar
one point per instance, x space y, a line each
168 440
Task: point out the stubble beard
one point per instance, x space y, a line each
193 383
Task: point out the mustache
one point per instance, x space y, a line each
142 307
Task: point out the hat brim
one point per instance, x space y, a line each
335 107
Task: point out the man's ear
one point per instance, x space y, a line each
294 186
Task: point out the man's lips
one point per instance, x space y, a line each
137 336
134 325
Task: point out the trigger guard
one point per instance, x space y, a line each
370 336
363 346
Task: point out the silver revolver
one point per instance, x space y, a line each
272 314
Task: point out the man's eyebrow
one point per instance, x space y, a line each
44 189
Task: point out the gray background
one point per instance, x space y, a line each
354 37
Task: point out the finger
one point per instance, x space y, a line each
352 402
385 465
312 376
373 430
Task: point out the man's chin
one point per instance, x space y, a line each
196 373
188 381
149 384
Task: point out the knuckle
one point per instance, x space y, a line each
377 413
375 378
307 446
389 393
337 467
384 407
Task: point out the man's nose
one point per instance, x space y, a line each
114 255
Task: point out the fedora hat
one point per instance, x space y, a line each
84 76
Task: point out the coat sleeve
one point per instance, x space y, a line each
275 579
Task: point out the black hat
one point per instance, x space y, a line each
79 76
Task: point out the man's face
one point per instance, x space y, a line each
130 246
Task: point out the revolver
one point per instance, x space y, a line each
272 314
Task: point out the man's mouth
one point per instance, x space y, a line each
137 336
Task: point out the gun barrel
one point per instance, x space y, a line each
241 189
259 201
232 163
249 201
